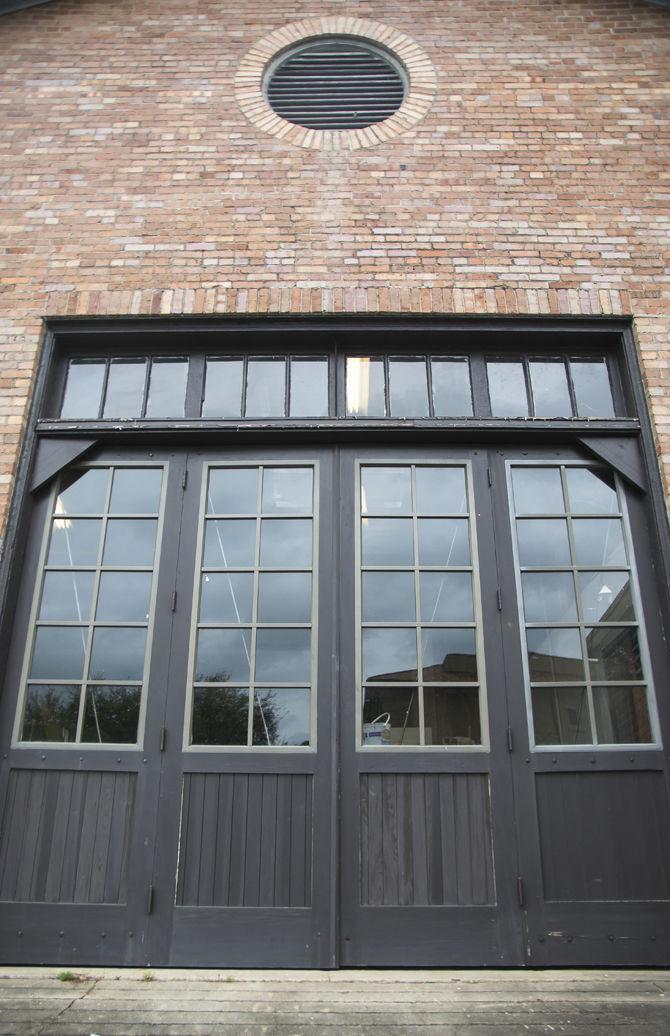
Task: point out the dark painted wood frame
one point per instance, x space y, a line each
614 335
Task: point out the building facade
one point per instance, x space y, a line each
334 381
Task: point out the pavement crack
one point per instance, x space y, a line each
63 1010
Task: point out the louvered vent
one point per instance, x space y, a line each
335 84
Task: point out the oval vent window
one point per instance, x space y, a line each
335 83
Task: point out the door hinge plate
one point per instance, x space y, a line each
499 599
520 892
184 480
489 476
173 601
163 739
150 899
510 739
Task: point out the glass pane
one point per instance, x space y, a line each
130 541
452 396
593 392
408 388
443 541
622 715
125 388
136 491
441 491
167 388
549 385
606 597
59 653
389 655
281 716
117 654
286 542
111 714
446 597
448 655
388 597
124 596
309 388
386 490
387 541
226 597
284 597
549 596
591 492
614 653
220 716
599 541
390 716
451 716
83 492
51 713
543 541
287 491
83 390
223 390
365 387
554 654
230 543
537 491
223 656
66 596
561 716
283 655
232 491
74 541
266 388
507 389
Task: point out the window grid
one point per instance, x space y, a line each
97 567
421 623
580 622
528 406
256 568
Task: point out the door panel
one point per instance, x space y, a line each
592 818
428 855
253 819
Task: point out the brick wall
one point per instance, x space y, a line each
131 182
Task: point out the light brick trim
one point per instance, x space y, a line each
420 73
392 300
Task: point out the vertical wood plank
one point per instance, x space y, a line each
224 823
238 839
268 843
208 839
375 840
283 837
389 840
101 842
252 868
82 887
62 808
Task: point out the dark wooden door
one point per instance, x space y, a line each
248 794
428 854
585 633
82 710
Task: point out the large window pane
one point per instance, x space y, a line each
593 391
451 716
111 714
66 596
226 597
441 490
549 385
223 388
389 655
309 388
283 655
388 597
365 387
599 541
554 654
507 389
136 491
286 543
117 653
130 541
606 597
287 491
59 653
549 596
124 597
387 541
83 492
230 543
591 492
281 716
83 389
622 715
408 388
543 541
386 490
537 490
446 597
232 491
614 653
561 716
443 541
125 388
452 395
223 656
266 388
167 388
51 712
390 716
448 656
74 541
284 597
220 716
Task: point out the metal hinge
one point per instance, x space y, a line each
499 599
520 892
150 899
489 476
173 604
163 739
510 739
184 479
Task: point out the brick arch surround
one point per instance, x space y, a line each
419 68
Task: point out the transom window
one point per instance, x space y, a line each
436 385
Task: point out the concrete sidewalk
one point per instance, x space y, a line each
106 1002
